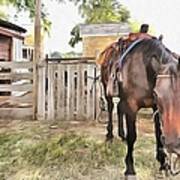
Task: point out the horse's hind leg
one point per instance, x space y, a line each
109 135
120 120
131 138
161 155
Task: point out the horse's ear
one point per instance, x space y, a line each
160 38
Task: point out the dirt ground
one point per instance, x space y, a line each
92 128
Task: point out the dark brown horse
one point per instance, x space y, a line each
137 73
108 60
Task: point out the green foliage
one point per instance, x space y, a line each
55 54
103 11
3 15
99 11
71 54
135 26
29 6
75 33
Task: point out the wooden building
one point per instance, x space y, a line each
11 41
95 37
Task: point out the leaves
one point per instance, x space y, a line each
29 6
75 33
98 11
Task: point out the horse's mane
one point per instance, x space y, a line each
106 54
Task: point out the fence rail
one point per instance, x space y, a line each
16 90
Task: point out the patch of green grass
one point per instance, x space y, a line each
72 148
34 154
10 147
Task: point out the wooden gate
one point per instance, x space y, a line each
16 90
66 89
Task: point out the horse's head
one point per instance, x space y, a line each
167 92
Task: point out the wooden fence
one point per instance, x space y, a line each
16 90
66 89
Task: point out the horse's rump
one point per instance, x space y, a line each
105 55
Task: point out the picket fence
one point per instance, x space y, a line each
67 89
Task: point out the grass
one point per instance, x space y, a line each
70 152
34 152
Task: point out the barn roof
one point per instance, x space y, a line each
104 29
11 26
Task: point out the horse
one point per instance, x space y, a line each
167 96
108 59
137 72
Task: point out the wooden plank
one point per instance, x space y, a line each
80 93
16 76
16 65
104 29
41 111
98 93
70 105
90 92
60 92
16 113
16 99
15 87
84 69
65 100
51 97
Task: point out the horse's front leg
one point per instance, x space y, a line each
131 138
109 135
120 111
160 154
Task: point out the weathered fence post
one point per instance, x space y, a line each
41 112
51 91
37 54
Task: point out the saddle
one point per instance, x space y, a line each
120 46
125 41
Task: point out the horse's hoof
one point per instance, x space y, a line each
123 138
130 177
130 172
164 167
109 140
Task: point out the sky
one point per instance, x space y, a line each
162 15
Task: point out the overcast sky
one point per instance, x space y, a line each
163 15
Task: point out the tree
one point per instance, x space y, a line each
28 6
98 11
55 54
